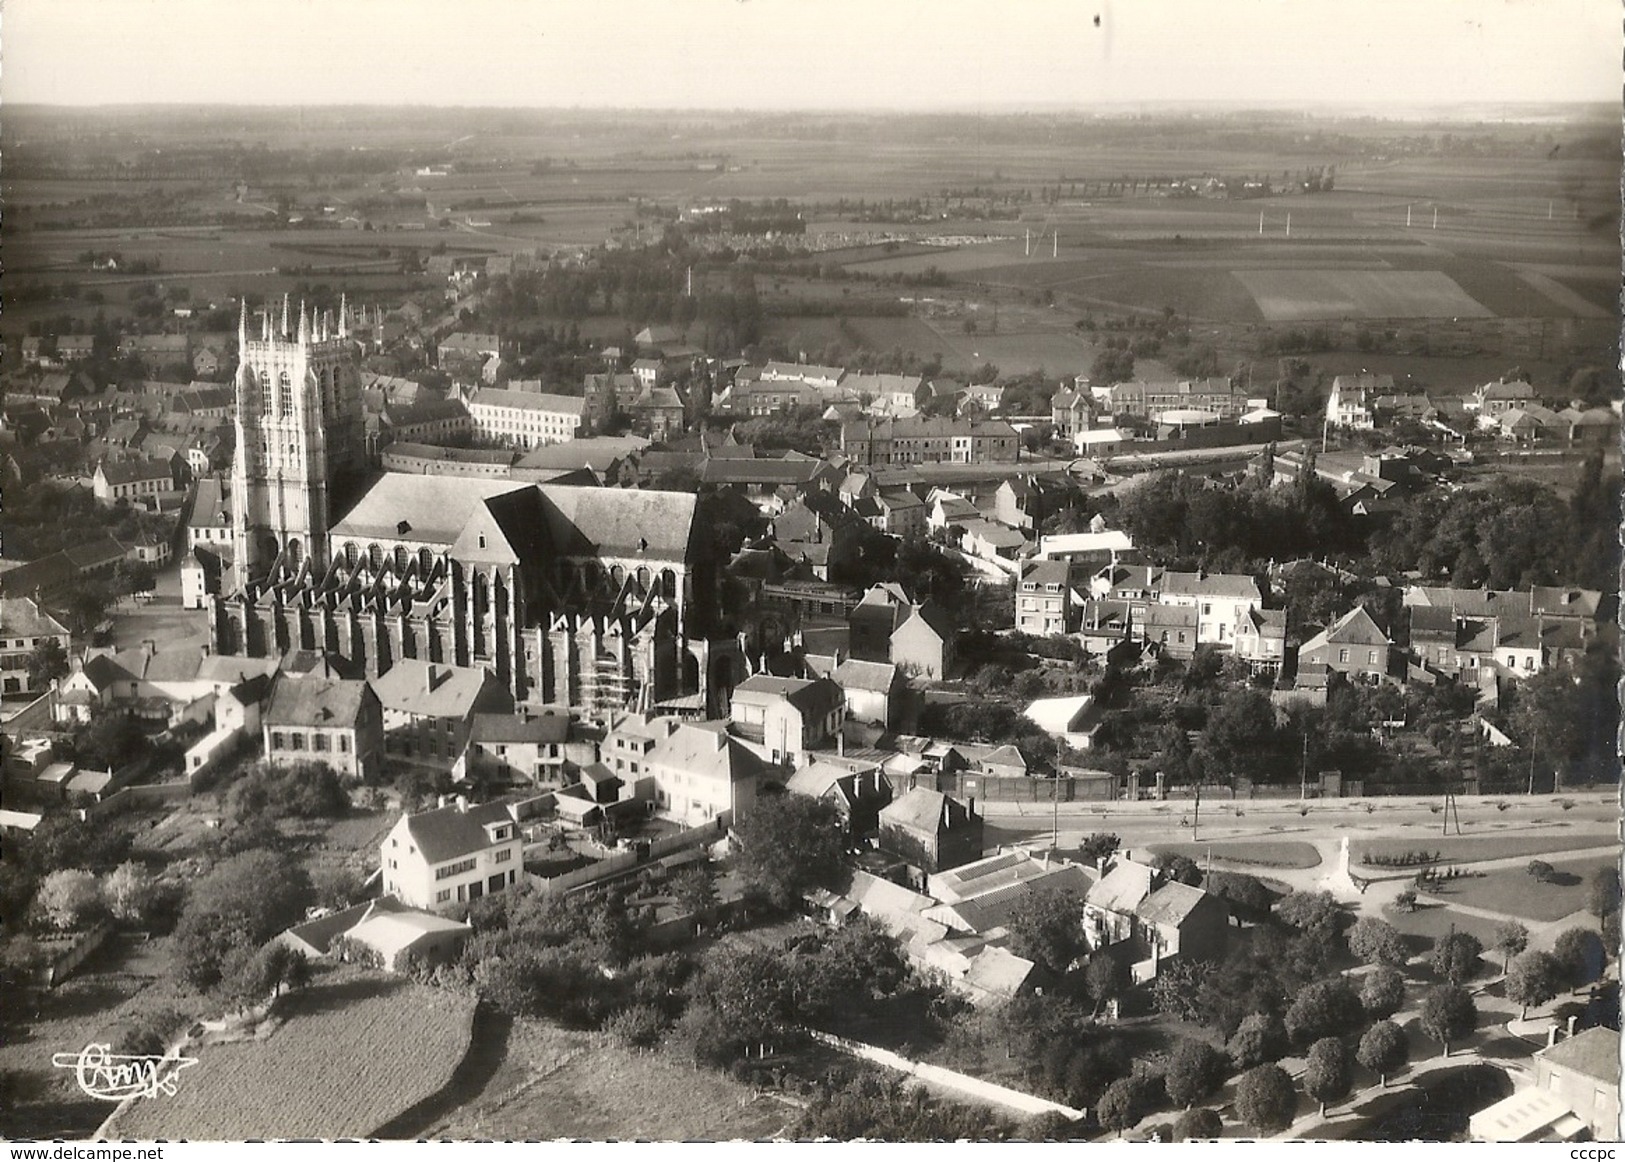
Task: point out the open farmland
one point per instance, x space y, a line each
349 1054
555 1083
1015 353
1287 296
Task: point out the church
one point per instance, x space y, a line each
572 596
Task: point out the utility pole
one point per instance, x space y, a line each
1303 770
1055 801
1196 815
1535 742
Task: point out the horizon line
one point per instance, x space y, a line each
1384 111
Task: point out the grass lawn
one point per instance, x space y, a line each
1287 854
556 1083
1518 893
336 1066
1431 921
1474 848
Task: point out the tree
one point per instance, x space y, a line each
1258 1040
1511 938
1582 954
1324 1008
243 902
1541 870
789 844
1195 1069
1455 956
1177 990
1265 1099
1536 978
1098 846
1448 1013
1046 927
69 898
1326 1071
1118 1110
695 889
1198 1125
110 740
47 662
1105 979
1382 991
1602 897
1178 868
1383 1049
1316 913
1377 942
1247 895
129 892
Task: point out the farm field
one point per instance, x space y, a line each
1518 893
127 978
1300 295
555 1083
1056 353
348 1054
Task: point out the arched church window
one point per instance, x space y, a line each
351 554
401 558
285 391
265 392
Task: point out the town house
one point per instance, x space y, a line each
452 855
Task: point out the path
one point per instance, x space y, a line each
1024 1104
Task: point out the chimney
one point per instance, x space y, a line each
439 802
462 803
149 648
1572 1018
1551 1036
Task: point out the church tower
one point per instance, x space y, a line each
300 438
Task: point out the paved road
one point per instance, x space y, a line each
1591 813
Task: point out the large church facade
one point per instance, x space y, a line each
573 596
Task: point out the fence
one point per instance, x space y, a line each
146 794
643 852
967 785
62 966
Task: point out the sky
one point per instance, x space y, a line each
809 54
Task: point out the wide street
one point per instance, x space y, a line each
1592 813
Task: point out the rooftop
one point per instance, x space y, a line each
313 701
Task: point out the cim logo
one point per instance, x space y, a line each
110 1076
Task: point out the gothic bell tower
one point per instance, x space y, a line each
300 439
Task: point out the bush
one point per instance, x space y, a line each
149 1034
1541 870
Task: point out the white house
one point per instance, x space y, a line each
452 855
